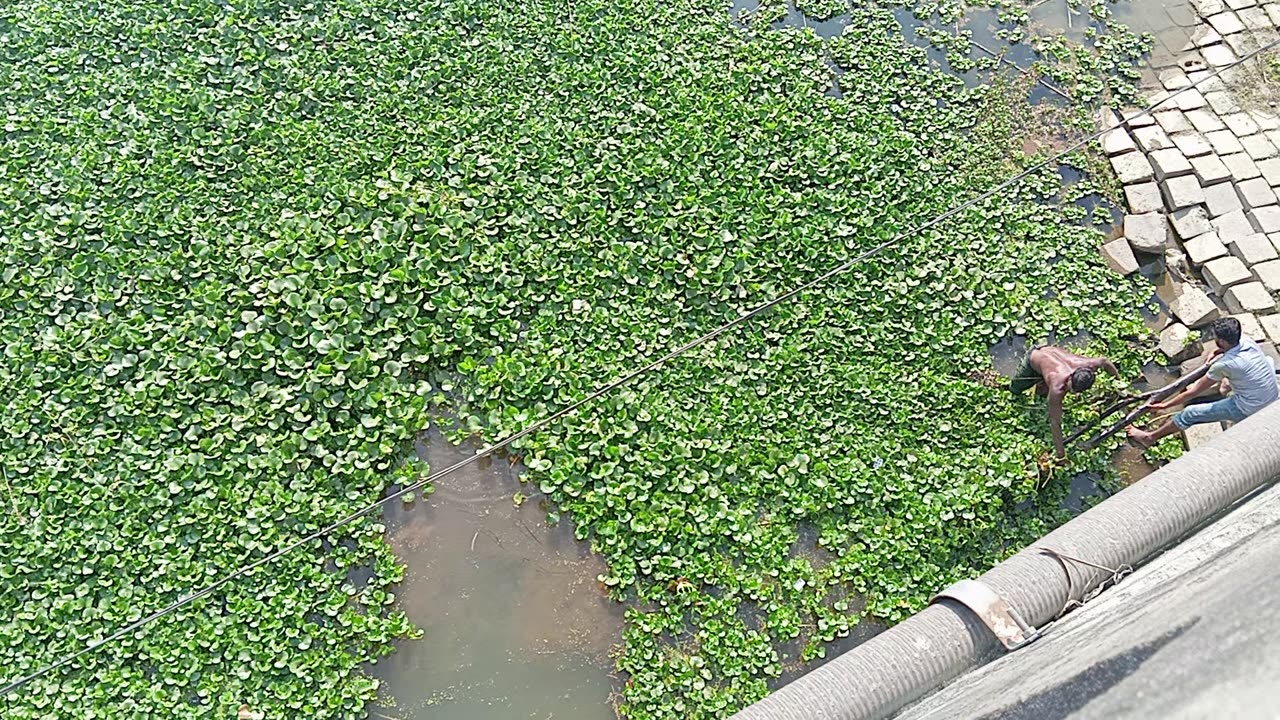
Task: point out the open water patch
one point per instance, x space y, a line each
514 623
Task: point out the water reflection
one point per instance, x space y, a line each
515 623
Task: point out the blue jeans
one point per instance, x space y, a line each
1223 410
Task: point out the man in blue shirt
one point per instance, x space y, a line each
1250 374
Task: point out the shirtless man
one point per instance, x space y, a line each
1059 372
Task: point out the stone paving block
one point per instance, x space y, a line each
1241 43
1201 434
1152 138
1148 232
1250 297
1226 23
1192 144
1135 118
1254 18
1270 170
1173 121
1232 225
1193 307
1183 191
1156 100
1209 170
1224 142
1178 343
1225 272
1190 100
1270 327
1134 168
1240 4
1266 219
1265 120
1253 249
1207 81
1117 141
1119 256
1203 248
1204 121
1219 56
1273 14
1221 199
1239 123
1201 36
1240 165
1258 147
1223 103
1275 240
1256 193
1207 8
1230 76
1190 222
1169 163
1145 198
1250 327
1268 273
1273 136
1189 366
1173 79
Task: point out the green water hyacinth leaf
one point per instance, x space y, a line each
251 250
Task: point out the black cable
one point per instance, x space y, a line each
711 335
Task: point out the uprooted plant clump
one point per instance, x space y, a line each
246 244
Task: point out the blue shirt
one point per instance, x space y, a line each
1252 375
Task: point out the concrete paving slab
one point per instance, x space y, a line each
1192 144
1169 162
1145 197
1266 219
1135 168
1221 199
1268 273
1256 193
1148 232
1193 307
1240 165
1224 142
1203 119
1203 248
1224 273
1209 169
1258 147
1183 191
1190 222
1119 256
1250 297
1253 249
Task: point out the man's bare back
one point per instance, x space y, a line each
1060 372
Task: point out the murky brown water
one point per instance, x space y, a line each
515 624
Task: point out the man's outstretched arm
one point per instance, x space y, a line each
1055 422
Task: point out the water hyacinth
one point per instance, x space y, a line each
251 249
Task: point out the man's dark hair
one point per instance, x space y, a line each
1227 330
1082 379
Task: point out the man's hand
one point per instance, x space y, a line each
1160 405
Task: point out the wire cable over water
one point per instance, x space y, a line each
604 390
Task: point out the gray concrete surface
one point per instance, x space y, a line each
1195 633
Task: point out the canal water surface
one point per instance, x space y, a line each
515 624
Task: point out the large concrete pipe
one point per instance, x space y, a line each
946 639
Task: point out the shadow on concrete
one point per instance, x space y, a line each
1066 698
